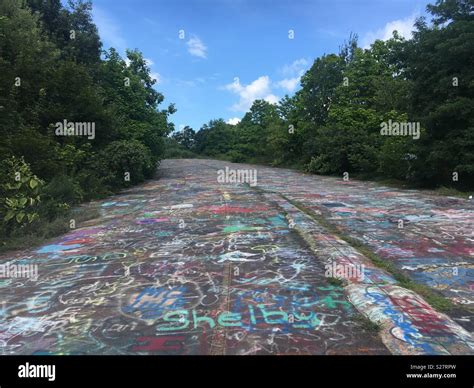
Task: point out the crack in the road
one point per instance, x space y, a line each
186 265
351 287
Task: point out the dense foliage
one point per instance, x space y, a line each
52 70
333 123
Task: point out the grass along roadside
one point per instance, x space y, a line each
436 300
361 320
45 230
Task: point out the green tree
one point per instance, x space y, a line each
439 65
185 137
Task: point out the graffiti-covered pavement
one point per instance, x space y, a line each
188 264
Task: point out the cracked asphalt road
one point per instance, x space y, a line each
187 265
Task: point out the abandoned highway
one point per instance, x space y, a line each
287 263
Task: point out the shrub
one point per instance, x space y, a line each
20 192
126 163
64 188
235 156
59 195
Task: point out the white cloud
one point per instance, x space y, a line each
296 68
289 84
271 98
260 89
294 72
156 76
233 121
196 47
403 26
153 74
109 30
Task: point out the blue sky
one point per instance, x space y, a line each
236 51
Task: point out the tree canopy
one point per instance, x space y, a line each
53 70
332 124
